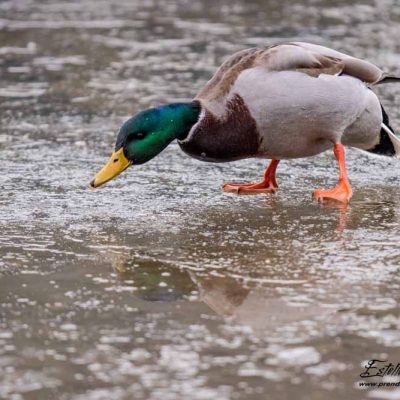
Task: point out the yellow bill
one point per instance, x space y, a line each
116 164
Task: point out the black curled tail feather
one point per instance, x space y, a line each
385 147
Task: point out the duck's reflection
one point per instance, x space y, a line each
268 280
260 308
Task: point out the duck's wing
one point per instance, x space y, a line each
308 58
218 87
361 69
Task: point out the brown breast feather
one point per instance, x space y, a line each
232 137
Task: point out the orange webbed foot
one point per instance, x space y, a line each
250 188
267 185
342 193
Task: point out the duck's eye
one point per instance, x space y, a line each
139 135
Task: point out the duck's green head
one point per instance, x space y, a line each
146 134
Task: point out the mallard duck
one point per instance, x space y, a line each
287 101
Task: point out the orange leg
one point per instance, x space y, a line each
267 185
342 192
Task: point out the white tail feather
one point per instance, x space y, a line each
394 139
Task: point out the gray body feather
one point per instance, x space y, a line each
299 116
